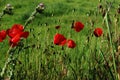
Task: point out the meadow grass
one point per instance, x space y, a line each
40 59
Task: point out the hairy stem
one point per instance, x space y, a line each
1 15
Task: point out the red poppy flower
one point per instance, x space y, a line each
16 29
98 32
78 26
2 35
71 44
15 34
16 38
59 39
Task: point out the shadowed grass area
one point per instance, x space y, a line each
40 59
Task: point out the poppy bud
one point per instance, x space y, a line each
40 7
8 9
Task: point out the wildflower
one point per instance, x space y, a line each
78 26
71 44
16 29
59 39
98 32
16 33
2 35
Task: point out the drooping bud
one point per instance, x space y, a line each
8 9
40 8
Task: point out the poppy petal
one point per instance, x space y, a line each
3 34
59 39
18 26
98 32
78 26
63 43
25 34
71 44
1 40
15 39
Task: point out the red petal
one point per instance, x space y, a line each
71 44
18 26
15 39
1 40
78 26
59 39
13 32
25 34
3 34
16 29
98 32
63 43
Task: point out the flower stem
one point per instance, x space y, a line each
7 62
38 9
30 18
1 15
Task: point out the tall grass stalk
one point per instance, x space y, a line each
30 18
110 70
111 44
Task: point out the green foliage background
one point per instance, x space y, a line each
40 59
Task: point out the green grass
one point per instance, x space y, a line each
40 59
